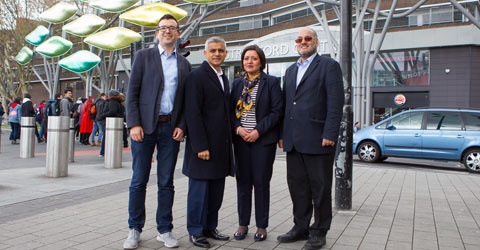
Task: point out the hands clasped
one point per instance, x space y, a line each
248 135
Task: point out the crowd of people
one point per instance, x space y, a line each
89 115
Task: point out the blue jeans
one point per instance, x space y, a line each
142 152
15 134
96 125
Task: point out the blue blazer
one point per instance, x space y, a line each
207 113
268 107
145 90
313 111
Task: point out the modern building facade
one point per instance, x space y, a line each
428 58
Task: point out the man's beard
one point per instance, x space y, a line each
307 54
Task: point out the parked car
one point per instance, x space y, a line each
432 133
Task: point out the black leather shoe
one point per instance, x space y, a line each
315 242
199 241
292 236
214 234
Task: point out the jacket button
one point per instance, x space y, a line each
294 103
291 117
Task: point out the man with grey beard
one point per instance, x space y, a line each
313 94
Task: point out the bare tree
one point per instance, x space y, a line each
15 24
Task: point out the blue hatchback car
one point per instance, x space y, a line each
430 133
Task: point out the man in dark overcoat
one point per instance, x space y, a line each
208 150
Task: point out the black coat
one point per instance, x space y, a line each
27 109
207 114
113 108
268 107
313 110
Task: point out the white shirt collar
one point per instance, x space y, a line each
219 73
162 50
307 61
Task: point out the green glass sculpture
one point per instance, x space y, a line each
24 56
84 25
37 36
113 38
81 61
112 6
201 1
148 15
55 46
59 13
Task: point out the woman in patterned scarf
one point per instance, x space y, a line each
256 114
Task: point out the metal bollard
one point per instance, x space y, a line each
57 146
71 141
113 142
27 138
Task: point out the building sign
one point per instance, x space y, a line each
274 50
400 100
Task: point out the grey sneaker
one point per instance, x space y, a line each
132 241
168 239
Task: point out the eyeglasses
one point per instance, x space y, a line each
300 39
164 28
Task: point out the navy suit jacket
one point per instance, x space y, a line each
268 107
145 90
313 111
207 113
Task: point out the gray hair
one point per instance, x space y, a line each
214 39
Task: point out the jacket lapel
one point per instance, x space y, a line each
212 75
261 85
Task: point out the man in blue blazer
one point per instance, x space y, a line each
314 97
155 118
208 150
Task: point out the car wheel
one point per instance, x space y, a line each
368 152
471 161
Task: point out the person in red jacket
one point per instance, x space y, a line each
86 126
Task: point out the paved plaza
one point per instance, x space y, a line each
394 207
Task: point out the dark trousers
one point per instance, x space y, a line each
254 170
309 180
204 200
15 134
142 152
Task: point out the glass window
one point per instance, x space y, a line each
443 121
472 121
401 68
411 120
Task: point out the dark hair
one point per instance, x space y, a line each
27 95
67 90
17 100
43 101
57 95
261 56
102 95
168 17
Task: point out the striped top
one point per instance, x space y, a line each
248 119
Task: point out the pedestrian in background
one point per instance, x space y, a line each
97 124
39 118
28 110
86 126
257 105
2 112
77 115
66 103
14 116
113 108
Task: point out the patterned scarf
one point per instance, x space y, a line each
245 101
